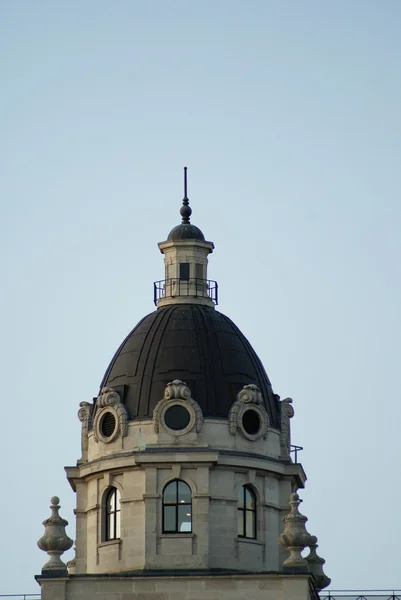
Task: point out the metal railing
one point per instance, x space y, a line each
194 287
324 595
360 595
20 596
294 450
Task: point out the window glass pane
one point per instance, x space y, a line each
240 517
111 529
169 518
249 498
184 518
184 493
170 493
241 497
177 417
118 498
184 271
118 524
250 524
110 501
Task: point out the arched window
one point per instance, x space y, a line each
112 514
177 507
246 513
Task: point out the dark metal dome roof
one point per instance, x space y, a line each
196 344
185 231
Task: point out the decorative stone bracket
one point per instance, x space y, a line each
177 393
249 398
287 412
85 416
111 400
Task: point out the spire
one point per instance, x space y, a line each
185 264
185 210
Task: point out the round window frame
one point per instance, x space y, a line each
192 417
263 418
99 418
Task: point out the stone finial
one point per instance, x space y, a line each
315 564
72 564
55 541
287 412
295 536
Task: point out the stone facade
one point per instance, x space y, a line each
215 462
243 586
136 537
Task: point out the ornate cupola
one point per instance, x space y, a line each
186 468
185 259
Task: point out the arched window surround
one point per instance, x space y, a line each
246 512
111 514
177 507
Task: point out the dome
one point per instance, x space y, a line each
185 231
196 344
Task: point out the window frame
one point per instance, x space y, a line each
112 516
184 271
242 512
176 504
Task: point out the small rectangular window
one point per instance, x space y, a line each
184 271
198 271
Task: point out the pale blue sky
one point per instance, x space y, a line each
287 114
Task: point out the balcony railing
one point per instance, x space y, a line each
360 595
294 450
195 288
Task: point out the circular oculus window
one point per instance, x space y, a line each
251 422
177 417
107 424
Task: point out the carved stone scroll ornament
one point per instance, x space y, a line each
178 392
108 397
85 416
287 412
249 395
